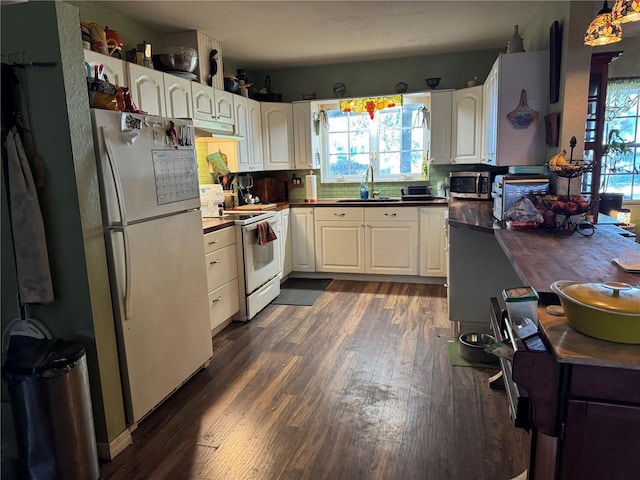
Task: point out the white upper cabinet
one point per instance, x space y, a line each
248 156
147 89
490 117
303 155
466 122
277 135
241 112
224 106
509 138
178 96
114 68
255 137
440 126
203 102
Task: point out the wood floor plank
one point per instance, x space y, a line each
357 386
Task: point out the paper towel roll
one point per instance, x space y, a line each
311 187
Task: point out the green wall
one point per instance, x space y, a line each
380 76
69 199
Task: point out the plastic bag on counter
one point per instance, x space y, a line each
524 210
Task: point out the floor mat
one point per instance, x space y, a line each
457 361
301 291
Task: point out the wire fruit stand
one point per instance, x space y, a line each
570 207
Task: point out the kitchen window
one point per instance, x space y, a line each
619 170
394 142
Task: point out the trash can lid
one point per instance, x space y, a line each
36 356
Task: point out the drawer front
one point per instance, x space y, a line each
219 238
386 214
221 266
223 303
340 213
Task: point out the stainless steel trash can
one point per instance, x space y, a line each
48 388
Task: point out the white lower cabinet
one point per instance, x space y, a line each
433 242
222 277
285 243
339 235
303 257
382 241
391 240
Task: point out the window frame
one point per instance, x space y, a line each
421 98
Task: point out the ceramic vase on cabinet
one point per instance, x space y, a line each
515 45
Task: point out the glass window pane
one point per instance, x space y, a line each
338 142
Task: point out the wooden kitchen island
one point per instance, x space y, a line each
585 392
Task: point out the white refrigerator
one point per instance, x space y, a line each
148 179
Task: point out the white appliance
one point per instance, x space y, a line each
153 230
259 266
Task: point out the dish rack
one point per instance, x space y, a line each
571 206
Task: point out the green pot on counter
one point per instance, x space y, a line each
607 311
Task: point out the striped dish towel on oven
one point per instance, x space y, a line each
265 233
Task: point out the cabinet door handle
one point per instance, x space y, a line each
216 300
339 214
217 260
390 214
213 242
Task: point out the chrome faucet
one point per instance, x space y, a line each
371 187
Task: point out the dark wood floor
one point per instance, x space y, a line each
358 386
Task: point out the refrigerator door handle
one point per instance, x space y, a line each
127 269
116 177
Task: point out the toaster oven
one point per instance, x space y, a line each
508 189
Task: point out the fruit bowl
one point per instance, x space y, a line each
571 170
568 205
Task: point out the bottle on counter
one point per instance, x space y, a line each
221 209
364 191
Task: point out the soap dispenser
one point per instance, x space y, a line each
364 191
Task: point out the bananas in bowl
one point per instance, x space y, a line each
562 167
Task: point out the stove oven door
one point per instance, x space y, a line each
261 262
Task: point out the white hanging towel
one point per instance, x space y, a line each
32 260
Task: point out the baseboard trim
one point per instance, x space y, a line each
109 451
362 277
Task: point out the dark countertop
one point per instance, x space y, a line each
571 346
335 202
473 214
211 224
540 258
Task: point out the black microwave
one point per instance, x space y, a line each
470 185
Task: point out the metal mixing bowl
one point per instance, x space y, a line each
471 347
180 59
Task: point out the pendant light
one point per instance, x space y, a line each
625 11
601 31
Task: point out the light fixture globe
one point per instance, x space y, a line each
624 11
601 30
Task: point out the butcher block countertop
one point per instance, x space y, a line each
540 258
571 346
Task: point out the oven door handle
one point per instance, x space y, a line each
254 226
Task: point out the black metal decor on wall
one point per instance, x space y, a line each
555 49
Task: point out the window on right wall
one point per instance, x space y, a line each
620 168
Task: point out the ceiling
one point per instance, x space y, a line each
267 35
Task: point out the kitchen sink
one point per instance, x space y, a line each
369 200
